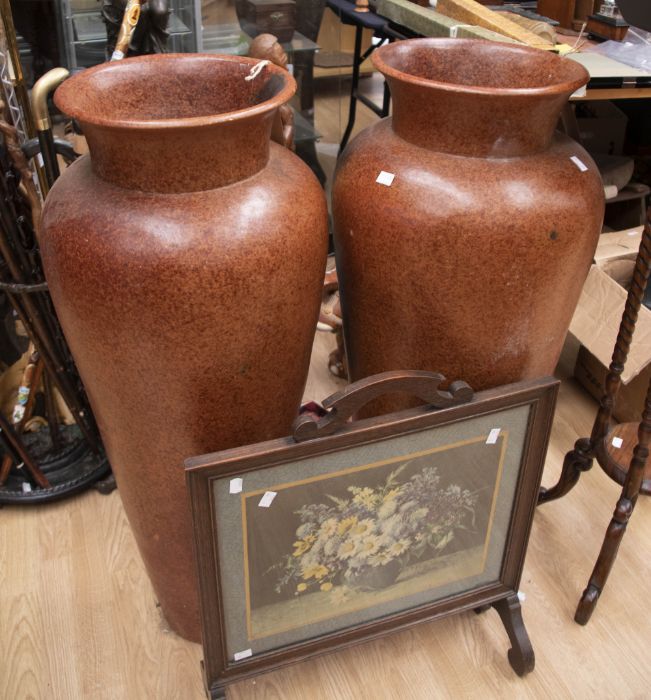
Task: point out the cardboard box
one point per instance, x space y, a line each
591 374
596 323
616 254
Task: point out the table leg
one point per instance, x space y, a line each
352 110
386 100
577 461
621 516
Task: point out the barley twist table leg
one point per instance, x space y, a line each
620 519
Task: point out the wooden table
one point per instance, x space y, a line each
609 79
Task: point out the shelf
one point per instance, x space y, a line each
231 39
630 192
616 460
89 28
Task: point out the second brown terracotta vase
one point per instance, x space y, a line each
467 256
185 259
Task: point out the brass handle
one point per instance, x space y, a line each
42 88
276 16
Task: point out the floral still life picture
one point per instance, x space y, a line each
367 536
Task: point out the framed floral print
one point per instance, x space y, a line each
348 530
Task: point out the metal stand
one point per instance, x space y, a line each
349 14
51 463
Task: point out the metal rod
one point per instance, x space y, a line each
352 109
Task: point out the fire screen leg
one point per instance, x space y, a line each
521 656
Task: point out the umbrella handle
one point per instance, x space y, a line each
40 93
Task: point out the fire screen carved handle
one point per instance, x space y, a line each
344 404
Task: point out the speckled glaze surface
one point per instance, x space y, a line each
472 261
185 258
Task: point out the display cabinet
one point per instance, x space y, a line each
83 33
230 38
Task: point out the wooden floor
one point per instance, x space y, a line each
78 618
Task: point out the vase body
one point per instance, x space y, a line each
472 261
185 258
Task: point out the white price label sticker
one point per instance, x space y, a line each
235 485
579 163
617 442
239 655
385 178
267 499
492 436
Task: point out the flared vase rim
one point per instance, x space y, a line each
67 102
560 88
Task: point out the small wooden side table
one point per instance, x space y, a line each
625 461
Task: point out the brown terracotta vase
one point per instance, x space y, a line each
472 260
185 258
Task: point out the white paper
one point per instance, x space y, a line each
579 163
454 30
617 442
385 178
492 436
10 67
26 487
522 596
239 655
267 499
235 485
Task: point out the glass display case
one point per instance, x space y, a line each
319 55
224 30
83 32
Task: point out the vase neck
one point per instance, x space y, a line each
177 122
476 98
182 159
467 124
